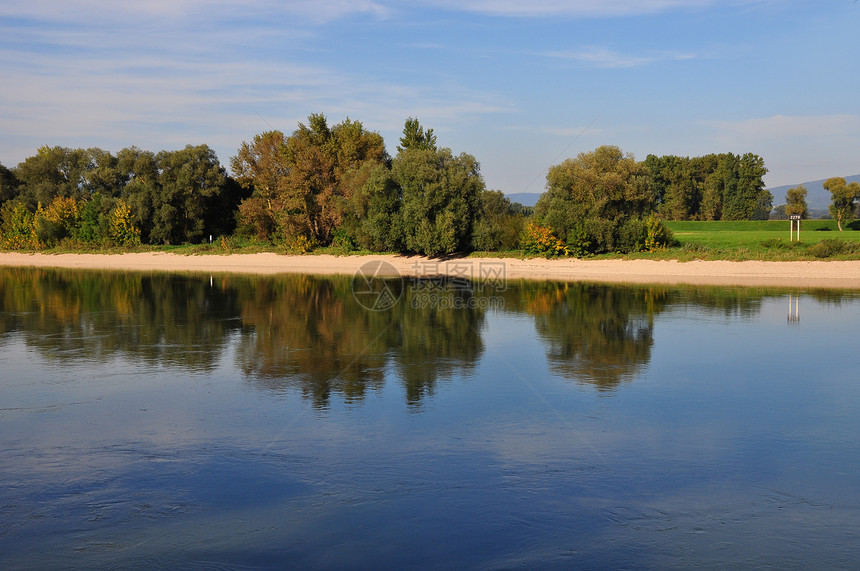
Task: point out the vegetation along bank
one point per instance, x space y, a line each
336 188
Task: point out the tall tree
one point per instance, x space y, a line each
8 185
298 182
415 137
139 169
795 202
52 172
372 218
674 186
262 168
843 196
440 199
744 195
590 197
187 179
498 225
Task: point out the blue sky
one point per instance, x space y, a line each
521 85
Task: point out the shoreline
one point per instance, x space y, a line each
807 274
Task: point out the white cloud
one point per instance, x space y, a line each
89 11
576 8
606 58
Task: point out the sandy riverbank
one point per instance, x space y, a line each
750 273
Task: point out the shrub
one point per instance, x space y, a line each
827 248
18 231
657 235
540 240
342 240
122 230
578 243
632 236
300 244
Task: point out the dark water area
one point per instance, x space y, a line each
162 421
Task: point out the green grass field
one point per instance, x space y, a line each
767 239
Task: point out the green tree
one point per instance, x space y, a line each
675 188
103 174
8 185
93 221
373 217
498 226
139 170
415 137
589 198
842 200
795 202
187 179
262 168
62 172
52 172
440 199
17 231
299 183
744 195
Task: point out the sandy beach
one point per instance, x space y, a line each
839 274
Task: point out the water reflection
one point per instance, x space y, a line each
156 319
309 334
153 421
595 334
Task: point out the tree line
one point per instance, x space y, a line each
337 185
90 196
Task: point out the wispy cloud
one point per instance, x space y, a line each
576 8
160 74
783 126
606 58
205 10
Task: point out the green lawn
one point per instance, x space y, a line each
747 233
767 239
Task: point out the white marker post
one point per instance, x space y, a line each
794 218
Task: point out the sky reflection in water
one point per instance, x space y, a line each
168 421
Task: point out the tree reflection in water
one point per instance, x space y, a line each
309 334
596 334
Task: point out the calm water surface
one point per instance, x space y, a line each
156 421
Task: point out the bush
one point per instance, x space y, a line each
827 248
631 236
122 229
578 243
342 240
540 241
18 231
300 244
657 235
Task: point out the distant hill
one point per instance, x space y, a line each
524 198
817 199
